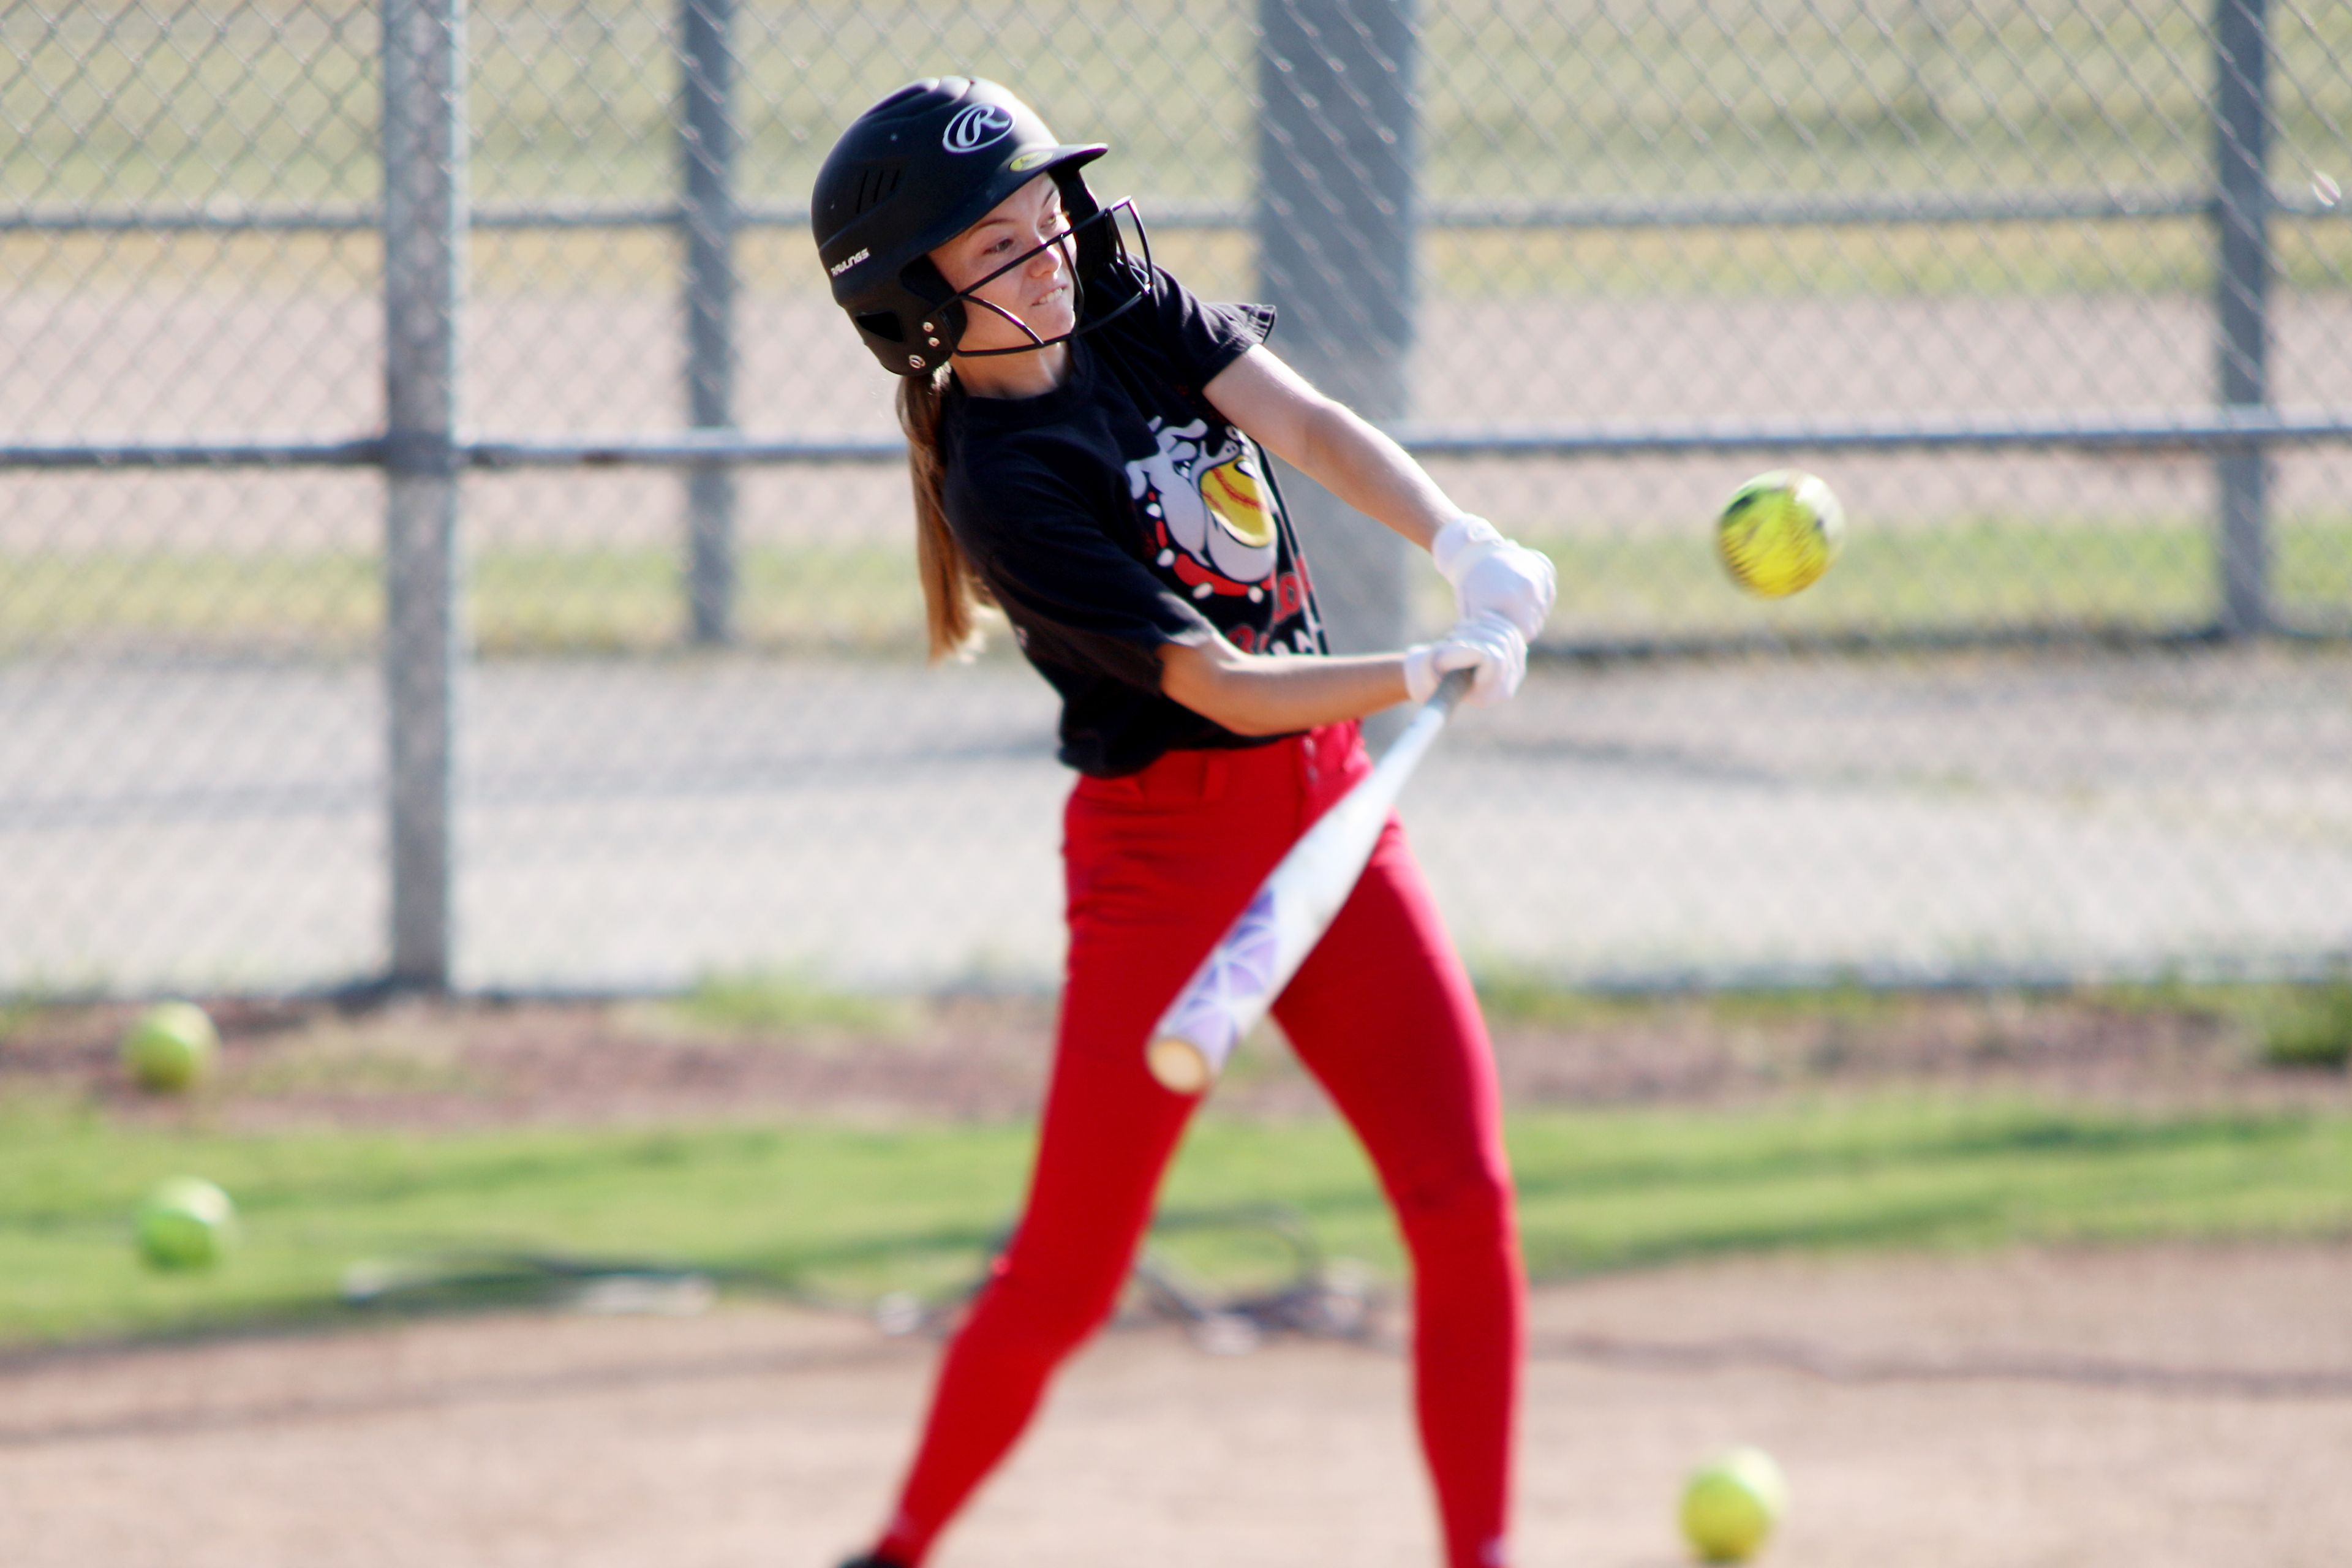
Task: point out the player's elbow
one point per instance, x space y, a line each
1242 720
1213 680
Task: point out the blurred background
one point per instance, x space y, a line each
457 618
446 533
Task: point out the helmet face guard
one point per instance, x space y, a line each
915 171
1108 241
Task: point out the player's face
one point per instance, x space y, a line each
1028 227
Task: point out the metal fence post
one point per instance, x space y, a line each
2241 214
1336 208
706 66
424 227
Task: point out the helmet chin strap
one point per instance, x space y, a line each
969 296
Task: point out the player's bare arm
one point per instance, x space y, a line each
1331 444
1279 409
1364 467
1256 695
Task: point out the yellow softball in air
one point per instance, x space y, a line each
1779 532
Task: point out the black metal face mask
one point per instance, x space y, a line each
956 308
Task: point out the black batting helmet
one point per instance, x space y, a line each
915 171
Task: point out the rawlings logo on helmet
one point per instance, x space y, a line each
977 125
917 166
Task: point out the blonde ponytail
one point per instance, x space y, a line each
952 592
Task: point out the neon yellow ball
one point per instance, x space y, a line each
1731 1504
1779 532
187 1223
171 1047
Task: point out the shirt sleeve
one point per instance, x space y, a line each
1202 339
1075 598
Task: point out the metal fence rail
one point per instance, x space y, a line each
307 306
2222 428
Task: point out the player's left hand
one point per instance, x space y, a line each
1489 644
1493 575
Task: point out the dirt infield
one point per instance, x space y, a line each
2153 1408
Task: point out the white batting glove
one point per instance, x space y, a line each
1490 574
1488 643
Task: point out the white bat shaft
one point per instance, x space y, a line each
1255 958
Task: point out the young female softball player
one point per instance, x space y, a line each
1087 443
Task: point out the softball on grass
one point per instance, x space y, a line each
1731 1504
1779 532
187 1223
171 1047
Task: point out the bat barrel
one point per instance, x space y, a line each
1243 973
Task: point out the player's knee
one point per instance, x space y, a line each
1468 1210
1058 1312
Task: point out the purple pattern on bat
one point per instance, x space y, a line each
1239 969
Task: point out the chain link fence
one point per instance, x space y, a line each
447 533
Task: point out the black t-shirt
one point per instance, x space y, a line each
1119 511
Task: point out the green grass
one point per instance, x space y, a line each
2162 257
785 1001
862 1210
2311 1028
861 597
850 597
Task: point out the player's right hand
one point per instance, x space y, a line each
1488 643
1490 572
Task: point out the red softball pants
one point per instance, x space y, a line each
1158 864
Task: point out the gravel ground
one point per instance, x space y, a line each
2162 1408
